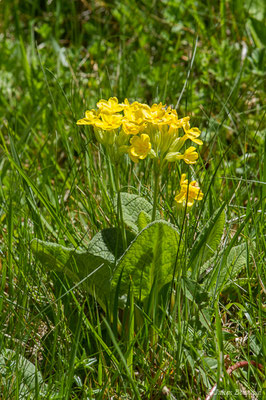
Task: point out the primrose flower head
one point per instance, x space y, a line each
90 117
110 106
159 133
140 147
155 113
192 134
190 156
188 192
133 121
108 122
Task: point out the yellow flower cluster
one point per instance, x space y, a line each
140 130
188 193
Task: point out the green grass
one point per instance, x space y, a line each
57 59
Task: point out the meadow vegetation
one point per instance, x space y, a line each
114 286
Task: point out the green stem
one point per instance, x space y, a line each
156 172
111 176
119 208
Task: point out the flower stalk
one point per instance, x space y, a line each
156 173
120 219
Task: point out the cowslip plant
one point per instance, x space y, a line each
142 250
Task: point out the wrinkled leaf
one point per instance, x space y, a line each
132 206
96 262
256 9
206 268
257 29
208 240
143 220
235 263
228 269
151 257
194 291
16 370
214 237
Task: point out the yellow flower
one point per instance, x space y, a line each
110 106
90 117
192 133
155 113
109 122
132 128
133 122
140 147
188 192
134 112
190 156
183 122
125 104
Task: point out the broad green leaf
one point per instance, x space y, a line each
17 371
108 244
207 267
143 220
214 237
150 258
256 9
257 29
77 264
235 263
194 291
256 21
208 240
132 206
228 269
54 256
